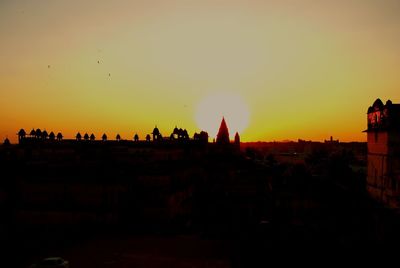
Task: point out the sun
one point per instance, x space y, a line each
213 107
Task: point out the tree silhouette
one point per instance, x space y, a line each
92 137
86 137
118 137
136 137
104 137
78 136
148 137
59 136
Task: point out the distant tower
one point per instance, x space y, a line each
52 136
21 134
383 136
59 136
156 134
237 140
223 133
78 136
6 142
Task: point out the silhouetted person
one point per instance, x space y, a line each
118 137
86 137
92 137
136 137
223 133
78 136
148 137
21 134
52 136
104 137
59 136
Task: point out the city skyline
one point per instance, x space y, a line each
280 70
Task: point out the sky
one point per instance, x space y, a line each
302 69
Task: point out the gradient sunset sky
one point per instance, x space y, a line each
304 69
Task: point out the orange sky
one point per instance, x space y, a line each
305 69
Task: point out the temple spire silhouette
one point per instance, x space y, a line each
223 133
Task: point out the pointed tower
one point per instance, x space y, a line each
237 140
223 133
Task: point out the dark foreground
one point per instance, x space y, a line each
185 205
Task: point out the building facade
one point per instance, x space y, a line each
383 137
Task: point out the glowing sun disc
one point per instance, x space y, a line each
213 107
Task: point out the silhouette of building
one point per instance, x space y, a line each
383 136
38 133
223 133
21 134
331 141
52 136
44 135
156 134
32 134
6 142
59 136
237 140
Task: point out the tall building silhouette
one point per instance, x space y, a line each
223 133
383 136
